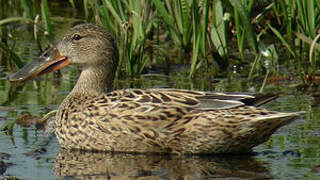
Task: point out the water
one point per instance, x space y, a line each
291 152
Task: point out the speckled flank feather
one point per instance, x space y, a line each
93 117
165 121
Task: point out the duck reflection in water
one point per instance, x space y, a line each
88 165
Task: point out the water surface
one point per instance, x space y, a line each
291 151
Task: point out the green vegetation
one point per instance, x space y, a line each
200 33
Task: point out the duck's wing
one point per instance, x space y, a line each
153 101
157 112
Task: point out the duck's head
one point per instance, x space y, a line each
85 45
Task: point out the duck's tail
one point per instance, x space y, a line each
262 127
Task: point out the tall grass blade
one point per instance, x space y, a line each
163 12
114 13
46 17
218 32
240 33
204 29
27 9
311 17
196 37
72 3
254 66
265 80
244 16
185 21
15 19
311 52
85 7
282 39
12 55
306 14
308 40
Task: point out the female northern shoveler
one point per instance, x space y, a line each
93 117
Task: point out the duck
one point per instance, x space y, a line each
94 117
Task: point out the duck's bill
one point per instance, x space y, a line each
50 61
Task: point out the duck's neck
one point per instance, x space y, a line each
94 81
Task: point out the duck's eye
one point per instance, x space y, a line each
76 37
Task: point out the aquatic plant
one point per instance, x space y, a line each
200 33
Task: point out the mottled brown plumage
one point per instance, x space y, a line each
93 117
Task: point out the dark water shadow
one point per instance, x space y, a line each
12 93
89 165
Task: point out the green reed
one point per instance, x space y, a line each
132 25
23 13
197 32
45 14
300 20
